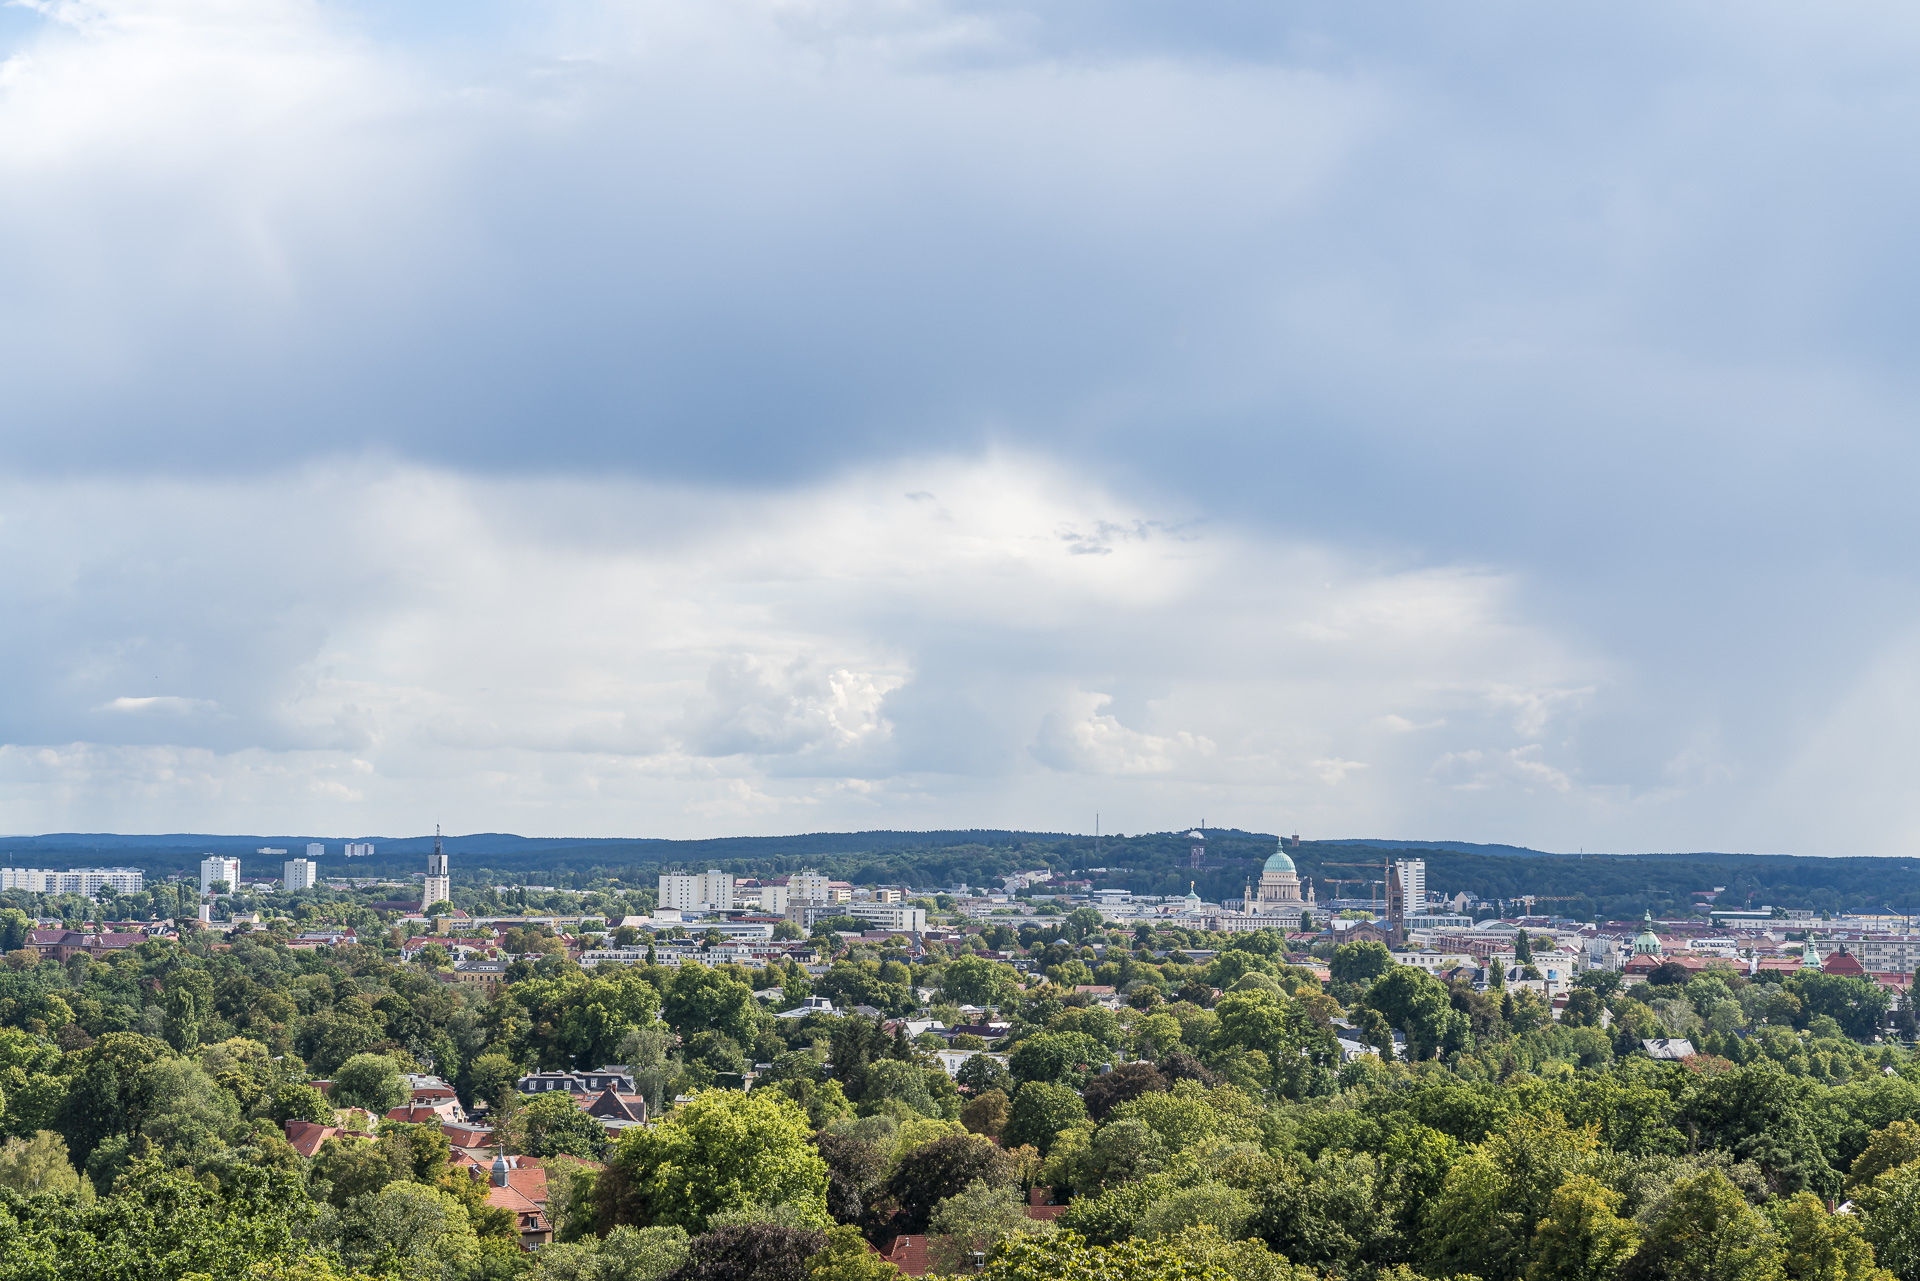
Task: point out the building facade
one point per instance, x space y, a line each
881 916
708 890
299 874
90 880
216 867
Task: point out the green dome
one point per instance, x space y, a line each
1278 862
1647 943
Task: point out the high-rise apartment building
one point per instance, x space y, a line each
33 879
315 849
299 874
358 849
809 887
1407 894
703 890
216 868
438 887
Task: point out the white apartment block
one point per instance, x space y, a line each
214 868
774 899
807 887
75 880
354 849
89 880
299 874
1412 875
709 889
315 849
881 916
1881 953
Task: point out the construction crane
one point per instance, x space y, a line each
1385 866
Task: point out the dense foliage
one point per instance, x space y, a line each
1210 1126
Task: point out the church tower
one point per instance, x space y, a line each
438 887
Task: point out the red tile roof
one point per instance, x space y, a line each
909 1254
1843 962
306 1137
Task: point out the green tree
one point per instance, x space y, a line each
1040 1111
986 1114
1706 1231
721 1151
1890 1208
1067 1257
39 1164
701 999
1497 1194
1419 1005
370 1081
976 1219
1583 1237
974 980
552 1124
933 1172
1888 1149
1360 963
1825 1247
492 1078
847 1257
1057 1056
15 925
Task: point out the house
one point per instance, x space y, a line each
487 975
812 1005
63 945
306 1136
433 1094
615 1111
601 1078
466 1134
308 940
519 1185
909 1254
1669 1049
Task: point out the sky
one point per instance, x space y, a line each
690 418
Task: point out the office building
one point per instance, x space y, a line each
299 874
215 868
703 891
438 887
879 916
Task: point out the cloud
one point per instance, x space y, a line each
640 657
502 400
170 704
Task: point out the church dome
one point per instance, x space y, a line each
1279 862
1647 943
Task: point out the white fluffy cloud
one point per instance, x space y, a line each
342 647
